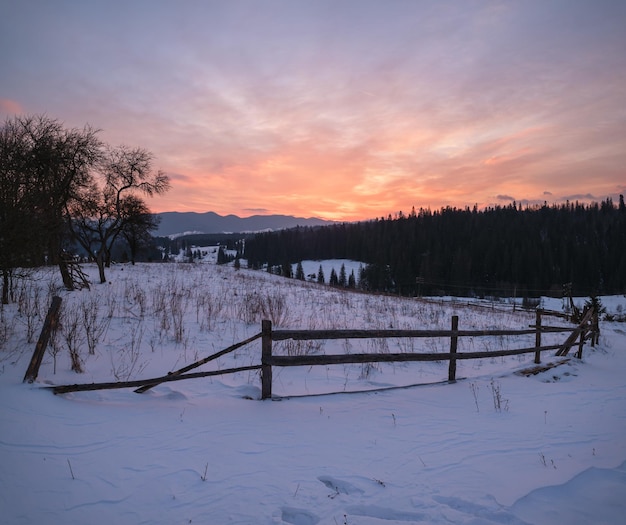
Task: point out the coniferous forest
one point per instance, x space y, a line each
501 251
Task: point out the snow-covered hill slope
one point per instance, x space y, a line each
209 451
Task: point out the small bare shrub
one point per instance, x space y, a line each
209 307
274 307
378 346
368 369
178 308
6 331
499 404
54 347
251 308
298 348
475 388
406 345
94 326
159 305
70 321
126 363
111 305
201 299
29 300
135 300
170 305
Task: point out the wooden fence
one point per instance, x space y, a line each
587 329
268 360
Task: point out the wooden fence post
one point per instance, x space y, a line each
49 324
595 331
266 354
581 343
454 339
538 335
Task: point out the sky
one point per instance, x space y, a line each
344 110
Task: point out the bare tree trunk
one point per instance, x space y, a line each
133 251
68 282
57 256
5 286
100 263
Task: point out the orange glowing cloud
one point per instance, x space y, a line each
345 111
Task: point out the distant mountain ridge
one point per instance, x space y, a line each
178 223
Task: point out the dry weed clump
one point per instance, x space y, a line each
72 335
94 324
29 307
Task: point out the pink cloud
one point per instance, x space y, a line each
10 107
294 113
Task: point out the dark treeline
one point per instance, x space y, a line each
506 250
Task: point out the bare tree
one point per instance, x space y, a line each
55 181
43 168
14 195
138 223
111 205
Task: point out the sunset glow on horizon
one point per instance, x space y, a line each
344 110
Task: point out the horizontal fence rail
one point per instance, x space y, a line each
304 335
341 359
64 389
177 375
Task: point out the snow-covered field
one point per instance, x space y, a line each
337 446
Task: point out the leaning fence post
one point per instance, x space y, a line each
266 354
595 331
581 343
48 325
538 335
453 346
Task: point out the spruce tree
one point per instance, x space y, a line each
299 272
342 276
320 276
351 280
286 270
362 283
